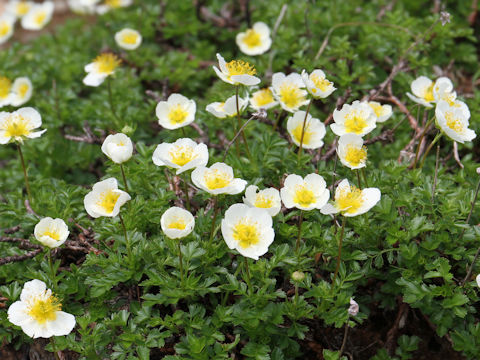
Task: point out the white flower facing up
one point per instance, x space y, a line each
19 125
351 151
22 89
236 72
105 199
254 41
268 199
112 4
98 70
177 223
228 108
128 39
351 201
5 91
422 89
453 121
248 230
358 118
178 111
304 194
317 84
39 313
313 133
7 23
184 154
51 232
18 8
118 147
262 99
382 112
38 16
217 179
289 91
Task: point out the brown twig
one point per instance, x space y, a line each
17 258
455 155
89 137
399 321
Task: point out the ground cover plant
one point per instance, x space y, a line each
236 179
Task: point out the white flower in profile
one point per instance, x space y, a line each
351 151
313 133
317 84
118 147
477 279
218 179
382 112
443 90
178 111
19 125
83 7
228 108
7 23
38 16
98 70
5 91
268 199
248 230
22 89
112 4
422 89
353 308
254 41
236 72
128 39
51 232
177 223
217 109
453 121
304 193
289 91
39 313
18 8
351 201
262 99
358 118
105 199
184 154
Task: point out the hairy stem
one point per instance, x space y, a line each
25 176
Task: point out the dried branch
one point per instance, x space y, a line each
17 258
12 230
89 137
455 154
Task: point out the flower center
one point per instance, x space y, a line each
355 123
355 155
320 83
22 8
39 18
182 155
263 201
5 83
291 95
113 3
377 109
307 135
454 123
130 38
428 93
107 63
252 38
22 90
4 28
246 233
178 224
16 126
216 179
303 195
108 199
349 200
263 97
52 233
240 67
177 114
44 308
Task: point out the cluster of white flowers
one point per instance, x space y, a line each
96 6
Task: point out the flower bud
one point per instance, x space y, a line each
298 276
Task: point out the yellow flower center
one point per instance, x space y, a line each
240 67
320 83
252 38
263 97
107 63
22 90
303 195
16 126
177 114
108 199
355 155
44 309
113 3
291 95
246 233
216 179
4 28
349 200
355 123
39 18
178 224
182 155
297 133
22 8
428 93
130 38
52 233
454 123
263 201
377 108
5 85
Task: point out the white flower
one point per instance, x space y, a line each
382 112
227 108
176 112
98 70
453 121
6 95
351 151
112 4
118 147
422 89
255 41
128 39
20 124
305 194
268 199
51 232
443 90
317 84
217 109
177 222
351 201
184 154
22 89
7 23
313 133
39 313
288 91
248 230
83 6
477 278
105 199
358 118
262 99
353 309
38 16
18 8
236 72
218 179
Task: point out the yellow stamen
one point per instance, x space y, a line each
246 233
307 135
355 155
349 200
320 83
377 108
39 18
52 233
22 90
216 179
108 199
44 308
252 38
263 201
291 95
113 3
130 38
16 125
263 97
4 28
107 63
22 8
454 123
428 93
240 67
178 224
303 195
355 122
182 155
177 114
5 86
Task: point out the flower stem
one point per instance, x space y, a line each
187 197
357 171
124 178
183 132
364 176
339 257
277 120
300 221
303 131
180 262
239 124
54 346
53 274
422 135
439 135
247 276
27 184
216 208
345 336
127 242
110 99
